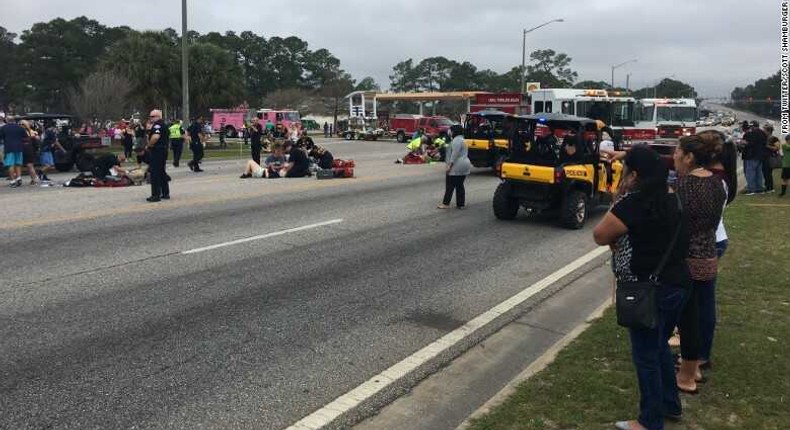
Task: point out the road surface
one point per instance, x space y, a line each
244 303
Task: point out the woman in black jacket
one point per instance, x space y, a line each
640 227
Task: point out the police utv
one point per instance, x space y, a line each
540 176
486 135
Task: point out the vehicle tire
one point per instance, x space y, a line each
400 137
348 136
84 162
574 210
231 132
505 206
64 167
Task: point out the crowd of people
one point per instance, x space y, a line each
761 152
669 236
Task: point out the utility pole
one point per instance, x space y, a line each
628 82
184 64
620 65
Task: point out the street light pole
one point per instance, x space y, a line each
184 64
524 49
620 65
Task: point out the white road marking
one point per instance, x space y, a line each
347 402
264 236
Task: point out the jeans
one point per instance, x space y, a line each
753 170
454 183
655 368
768 175
707 316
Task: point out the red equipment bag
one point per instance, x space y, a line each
338 163
412 158
343 172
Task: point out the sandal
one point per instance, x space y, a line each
443 206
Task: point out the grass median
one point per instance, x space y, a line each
592 382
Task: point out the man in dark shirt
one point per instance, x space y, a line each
298 165
109 165
196 144
756 142
158 143
14 137
256 133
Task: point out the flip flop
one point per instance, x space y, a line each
693 392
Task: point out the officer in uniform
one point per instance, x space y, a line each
196 144
177 141
158 142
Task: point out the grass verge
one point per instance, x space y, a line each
592 382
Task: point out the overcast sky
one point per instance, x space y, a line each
711 44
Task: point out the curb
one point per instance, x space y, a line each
536 366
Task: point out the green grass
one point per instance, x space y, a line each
592 383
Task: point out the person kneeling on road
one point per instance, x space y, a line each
109 165
323 158
271 168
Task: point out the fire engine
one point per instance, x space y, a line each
669 118
614 109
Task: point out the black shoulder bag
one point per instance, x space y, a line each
635 301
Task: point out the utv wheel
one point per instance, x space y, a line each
574 210
505 206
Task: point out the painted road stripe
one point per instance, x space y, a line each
328 414
264 236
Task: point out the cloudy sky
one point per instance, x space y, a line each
712 44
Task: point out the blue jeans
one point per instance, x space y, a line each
655 368
753 170
707 316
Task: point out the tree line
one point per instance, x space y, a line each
761 97
85 67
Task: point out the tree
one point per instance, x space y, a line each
9 84
550 69
367 84
759 97
153 66
592 85
288 98
334 93
215 78
404 77
55 56
101 96
669 88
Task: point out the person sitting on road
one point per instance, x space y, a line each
272 165
297 164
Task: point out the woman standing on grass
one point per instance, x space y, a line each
703 196
458 168
640 227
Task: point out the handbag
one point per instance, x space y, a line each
635 301
775 161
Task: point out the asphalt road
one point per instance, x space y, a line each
105 322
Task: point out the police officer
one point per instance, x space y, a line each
158 140
196 144
176 141
256 133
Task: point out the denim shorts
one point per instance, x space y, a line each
13 159
46 159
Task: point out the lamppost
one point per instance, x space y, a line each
184 64
620 65
524 49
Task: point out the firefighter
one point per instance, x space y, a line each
177 141
158 140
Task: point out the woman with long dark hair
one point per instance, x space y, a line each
640 227
703 195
